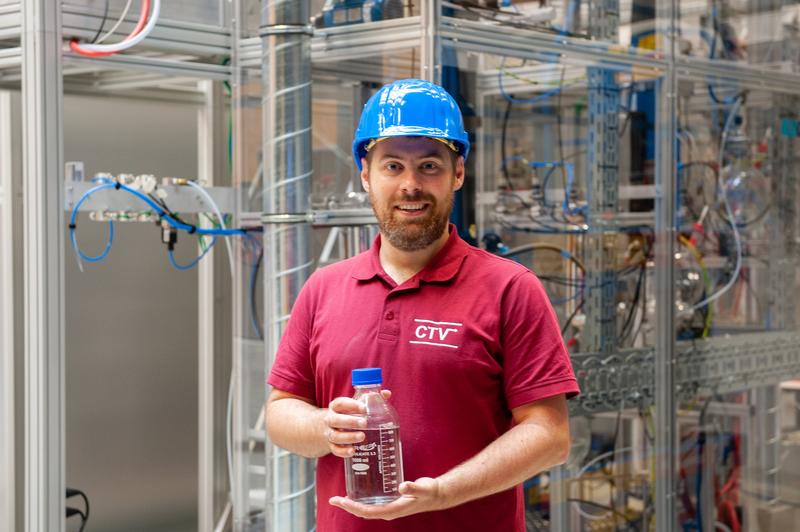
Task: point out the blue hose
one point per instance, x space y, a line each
74 239
105 183
157 208
194 261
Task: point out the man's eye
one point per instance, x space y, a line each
430 167
392 167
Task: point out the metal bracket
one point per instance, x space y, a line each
328 218
286 29
719 365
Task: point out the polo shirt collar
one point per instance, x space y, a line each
442 268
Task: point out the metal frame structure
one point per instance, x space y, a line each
664 359
661 375
39 65
603 190
211 127
43 169
7 336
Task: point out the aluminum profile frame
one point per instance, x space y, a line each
665 236
211 163
168 35
43 227
7 351
431 41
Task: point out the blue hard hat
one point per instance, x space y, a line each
410 108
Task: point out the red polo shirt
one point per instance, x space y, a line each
461 343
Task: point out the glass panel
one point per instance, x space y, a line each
538 153
562 173
764 33
736 215
338 13
626 23
562 178
209 12
734 165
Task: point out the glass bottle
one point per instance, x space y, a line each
374 473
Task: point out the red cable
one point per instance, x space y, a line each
727 510
75 47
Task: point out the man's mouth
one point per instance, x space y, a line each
412 208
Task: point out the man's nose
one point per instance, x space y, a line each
411 181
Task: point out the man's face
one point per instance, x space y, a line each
411 181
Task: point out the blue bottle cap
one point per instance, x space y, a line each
364 376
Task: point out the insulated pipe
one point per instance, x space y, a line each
286 109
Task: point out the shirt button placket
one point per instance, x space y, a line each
390 326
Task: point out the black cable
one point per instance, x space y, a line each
253 302
73 492
628 113
503 154
73 512
102 23
701 442
688 178
559 135
644 307
164 206
572 316
628 324
616 512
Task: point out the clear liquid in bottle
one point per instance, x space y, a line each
374 473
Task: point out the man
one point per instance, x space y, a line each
469 345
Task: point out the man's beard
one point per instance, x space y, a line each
413 234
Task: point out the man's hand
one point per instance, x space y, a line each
423 495
342 422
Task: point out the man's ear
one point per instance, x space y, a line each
459 178
365 174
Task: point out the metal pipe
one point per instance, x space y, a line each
286 112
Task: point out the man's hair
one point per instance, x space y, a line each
453 157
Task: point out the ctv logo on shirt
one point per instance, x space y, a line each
441 333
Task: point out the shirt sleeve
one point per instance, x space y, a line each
536 364
292 370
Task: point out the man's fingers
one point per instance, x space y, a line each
392 510
344 437
347 405
386 394
346 504
342 451
344 421
365 511
422 487
407 488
